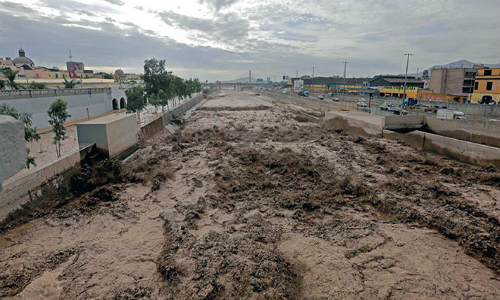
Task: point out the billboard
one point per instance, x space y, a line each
74 66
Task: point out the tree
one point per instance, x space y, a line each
58 114
136 100
107 76
37 85
69 84
159 83
30 134
11 77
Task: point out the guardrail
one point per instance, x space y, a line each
16 94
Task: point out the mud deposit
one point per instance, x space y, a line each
249 201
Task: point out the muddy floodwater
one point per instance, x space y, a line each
252 200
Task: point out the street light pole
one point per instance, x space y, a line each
406 76
313 71
345 71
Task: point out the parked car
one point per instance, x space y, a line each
399 111
387 105
362 104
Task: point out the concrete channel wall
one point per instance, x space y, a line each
465 131
159 125
97 101
12 147
15 193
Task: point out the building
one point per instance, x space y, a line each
398 91
23 62
333 84
455 82
396 81
486 86
50 73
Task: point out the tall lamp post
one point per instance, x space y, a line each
406 75
345 71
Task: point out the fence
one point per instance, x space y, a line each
13 94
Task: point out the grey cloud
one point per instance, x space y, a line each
16 7
115 2
226 27
70 6
218 4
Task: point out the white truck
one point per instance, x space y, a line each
448 114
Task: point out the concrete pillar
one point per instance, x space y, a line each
12 147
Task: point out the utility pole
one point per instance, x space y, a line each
312 81
345 72
297 73
406 76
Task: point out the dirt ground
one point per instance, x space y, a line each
250 200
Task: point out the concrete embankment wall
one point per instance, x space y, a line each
485 135
352 125
153 128
15 193
12 147
158 125
457 149
97 102
181 109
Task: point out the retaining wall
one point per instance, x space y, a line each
159 125
98 101
359 123
181 109
15 193
12 147
467 132
403 122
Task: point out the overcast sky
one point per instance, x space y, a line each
223 39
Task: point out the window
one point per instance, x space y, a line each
487 72
489 86
476 86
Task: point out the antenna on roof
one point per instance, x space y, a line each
70 56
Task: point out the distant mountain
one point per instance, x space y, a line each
463 64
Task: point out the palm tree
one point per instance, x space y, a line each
11 76
69 84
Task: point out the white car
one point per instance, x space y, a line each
320 97
362 104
